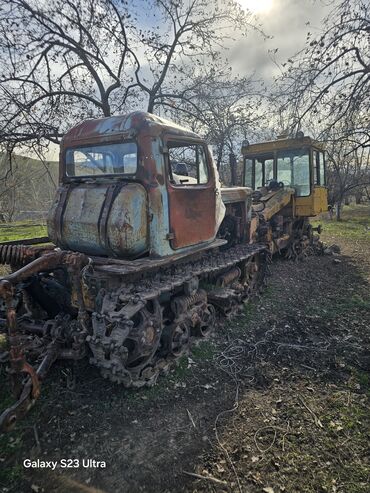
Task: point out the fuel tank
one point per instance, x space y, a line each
109 219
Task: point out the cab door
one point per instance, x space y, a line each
192 193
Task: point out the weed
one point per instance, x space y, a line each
181 369
205 350
10 446
10 475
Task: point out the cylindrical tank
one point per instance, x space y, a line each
101 219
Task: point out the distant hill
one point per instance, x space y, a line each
27 187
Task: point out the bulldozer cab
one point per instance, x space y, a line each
298 163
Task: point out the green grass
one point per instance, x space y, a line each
181 370
203 351
21 230
355 223
10 475
334 308
10 446
343 417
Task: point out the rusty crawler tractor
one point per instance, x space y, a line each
146 246
288 176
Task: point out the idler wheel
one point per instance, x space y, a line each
144 336
175 338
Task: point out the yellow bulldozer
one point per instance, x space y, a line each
288 176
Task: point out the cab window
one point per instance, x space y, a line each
258 171
322 168
248 173
319 168
102 159
316 168
293 169
258 176
187 164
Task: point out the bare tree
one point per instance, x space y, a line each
224 109
348 170
328 83
191 42
66 60
61 61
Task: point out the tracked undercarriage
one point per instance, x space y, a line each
139 323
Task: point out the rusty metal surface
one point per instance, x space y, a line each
122 314
116 126
105 219
235 194
17 255
124 267
27 390
192 214
18 363
274 201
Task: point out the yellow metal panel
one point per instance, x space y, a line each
279 144
275 201
312 205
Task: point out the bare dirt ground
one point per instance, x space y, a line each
276 401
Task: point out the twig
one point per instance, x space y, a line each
285 434
345 441
348 399
35 432
308 367
191 418
263 451
209 478
316 419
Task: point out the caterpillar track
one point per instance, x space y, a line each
139 330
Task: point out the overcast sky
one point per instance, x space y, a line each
288 22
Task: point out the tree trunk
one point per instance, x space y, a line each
150 105
106 109
338 211
220 149
232 161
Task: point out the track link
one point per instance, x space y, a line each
142 328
